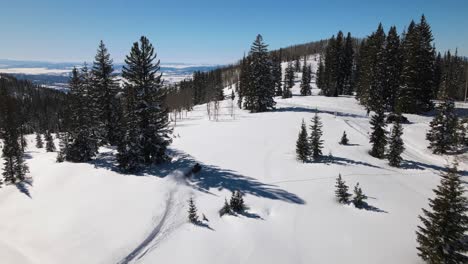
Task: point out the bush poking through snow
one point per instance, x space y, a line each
344 139
359 197
192 212
226 209
237 202
341 191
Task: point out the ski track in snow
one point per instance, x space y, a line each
165 226
154 233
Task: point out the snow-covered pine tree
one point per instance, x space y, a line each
105 90
192 212
259 97
344 139
443 133
39 142
396 145
237 202
315 141
50 146
145 121
359 199
302 145
378 138
341 191
306 89
226 209
442 235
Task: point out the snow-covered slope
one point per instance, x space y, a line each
91 213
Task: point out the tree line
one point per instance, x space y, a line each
399 72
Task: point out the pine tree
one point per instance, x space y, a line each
320 74
226 209
442 233
392 57
443 132
378 137
377 72
192 212
237 202
50 146
14 169
289 76
306 89
425 64
83 138
260 93
297 65
145 121
302 145
341 191
39 142
344 139
315 141
359 197
104 90
396 144
330 73
276 72
417 77
347 66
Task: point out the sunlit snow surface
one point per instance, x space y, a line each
91 213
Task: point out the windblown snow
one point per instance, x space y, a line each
92 213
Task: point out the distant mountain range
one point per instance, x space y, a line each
56 75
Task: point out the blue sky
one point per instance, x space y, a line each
207 31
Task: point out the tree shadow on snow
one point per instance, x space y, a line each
204 225
371 208
416 165
209 177
344 161
23 187
300 109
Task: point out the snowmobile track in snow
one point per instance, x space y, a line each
136 253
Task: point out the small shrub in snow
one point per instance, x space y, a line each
237 202
226 209
359 197
341 191
192 211
344 139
